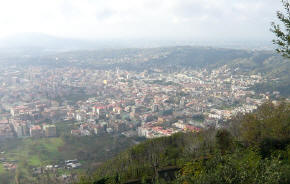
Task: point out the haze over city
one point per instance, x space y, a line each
144 91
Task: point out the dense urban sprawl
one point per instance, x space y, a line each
151 103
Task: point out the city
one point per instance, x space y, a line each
149 103
144 92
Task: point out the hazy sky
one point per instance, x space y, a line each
156 19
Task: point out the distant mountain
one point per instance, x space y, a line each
38 41
171 57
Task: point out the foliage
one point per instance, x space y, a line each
283 35
237 168
29 153
257 151
224 140
269 121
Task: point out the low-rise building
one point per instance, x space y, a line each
35 131
49 130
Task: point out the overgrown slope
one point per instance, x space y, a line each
254 148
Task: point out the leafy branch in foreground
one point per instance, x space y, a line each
283 34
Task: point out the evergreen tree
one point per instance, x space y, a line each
283 33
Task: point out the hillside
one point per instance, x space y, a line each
145 58
252 148
33 154
246 62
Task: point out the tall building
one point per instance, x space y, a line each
20 130
49 130
20 127
182 102
155 108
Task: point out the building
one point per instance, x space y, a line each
155 108
35 131
49 130
20 130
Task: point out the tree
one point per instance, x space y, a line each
283 34
224 140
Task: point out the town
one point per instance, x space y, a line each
149 103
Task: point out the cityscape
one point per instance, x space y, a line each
145 92
150 104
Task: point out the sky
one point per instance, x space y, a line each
141 19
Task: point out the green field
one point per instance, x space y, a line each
29 153
35 151
2 170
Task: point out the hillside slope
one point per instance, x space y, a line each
246 62
254 148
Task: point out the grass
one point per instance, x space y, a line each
39 152
34 161
2 169
52 144
35 151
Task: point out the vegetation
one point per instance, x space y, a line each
253 148
283 34
30 153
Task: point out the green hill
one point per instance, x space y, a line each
253 148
